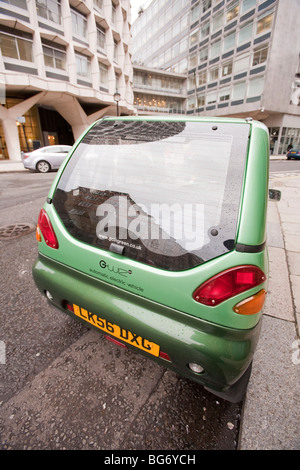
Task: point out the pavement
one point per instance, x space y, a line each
271 411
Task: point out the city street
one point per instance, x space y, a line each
63 386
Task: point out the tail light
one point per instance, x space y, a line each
251 305
45 228
228 283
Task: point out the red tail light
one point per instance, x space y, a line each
44 225
228 283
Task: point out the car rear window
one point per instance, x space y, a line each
165 193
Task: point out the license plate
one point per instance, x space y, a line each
114 330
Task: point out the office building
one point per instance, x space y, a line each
158 92
61 63
241 58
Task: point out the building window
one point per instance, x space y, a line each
206 4
218 22
191 103
193 62
215 50
247 4
79 24
264 23
101 33
205 30
213 74
238 91
224 95
103 70
245 33
232 11
49 9
17 3
255 87
200 100
195 12
192 82
98 4
227 69
193 39
15 47
83 66
183 66
211 98
260 55
201 78
54 58
158 104
203 55
183 45
241 64
229 42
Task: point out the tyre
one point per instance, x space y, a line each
43 166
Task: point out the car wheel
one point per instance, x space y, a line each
43 167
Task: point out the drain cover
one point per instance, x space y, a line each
16 230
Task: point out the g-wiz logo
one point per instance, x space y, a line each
113 269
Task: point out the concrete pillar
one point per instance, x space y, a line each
70 109
11 135
8 117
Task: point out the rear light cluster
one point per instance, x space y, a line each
230 283
46 230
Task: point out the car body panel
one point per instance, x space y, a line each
158 304
225 353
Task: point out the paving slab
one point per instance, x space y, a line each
271 412
278 301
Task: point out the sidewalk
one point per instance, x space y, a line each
7 166
271 412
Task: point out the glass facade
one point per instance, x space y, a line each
289 137
161 35
224 60
158 104
157 82
222 46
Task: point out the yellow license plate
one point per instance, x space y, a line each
116 331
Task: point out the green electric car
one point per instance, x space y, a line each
154 233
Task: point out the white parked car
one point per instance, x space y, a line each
47 158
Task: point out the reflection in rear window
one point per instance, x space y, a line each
165 193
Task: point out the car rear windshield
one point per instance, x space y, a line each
165 193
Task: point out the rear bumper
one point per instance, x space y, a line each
224 353
28 166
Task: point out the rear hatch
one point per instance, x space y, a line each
152 206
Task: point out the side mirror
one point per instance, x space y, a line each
274 194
